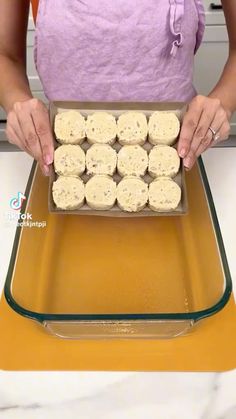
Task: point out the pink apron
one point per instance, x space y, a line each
122 50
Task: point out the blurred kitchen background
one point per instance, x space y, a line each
209 62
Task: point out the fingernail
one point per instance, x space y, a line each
48 159
187 163
46 170
182 152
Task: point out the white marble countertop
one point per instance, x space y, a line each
90 395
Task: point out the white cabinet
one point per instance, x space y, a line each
213 54
35 83
211 58
2 132
214 15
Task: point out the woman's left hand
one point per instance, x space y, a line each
205 123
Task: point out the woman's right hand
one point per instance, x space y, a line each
28 127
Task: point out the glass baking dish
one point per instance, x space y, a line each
88 277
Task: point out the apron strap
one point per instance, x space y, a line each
176 18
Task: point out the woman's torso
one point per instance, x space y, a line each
127 50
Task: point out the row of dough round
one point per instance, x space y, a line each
102 159
101 193
131 128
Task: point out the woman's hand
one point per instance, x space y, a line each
203 115
28 127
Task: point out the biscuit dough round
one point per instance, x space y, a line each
132 194
69 160
100 192
101 128
132 128
68 192
163 128
132 161
101 159
69 127
164 195
163 161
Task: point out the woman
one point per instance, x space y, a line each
139 50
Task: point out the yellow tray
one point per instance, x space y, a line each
26 346
179 277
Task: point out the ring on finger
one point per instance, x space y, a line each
216 138
215 134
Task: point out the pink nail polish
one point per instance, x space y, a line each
48 159
187 163
182 152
